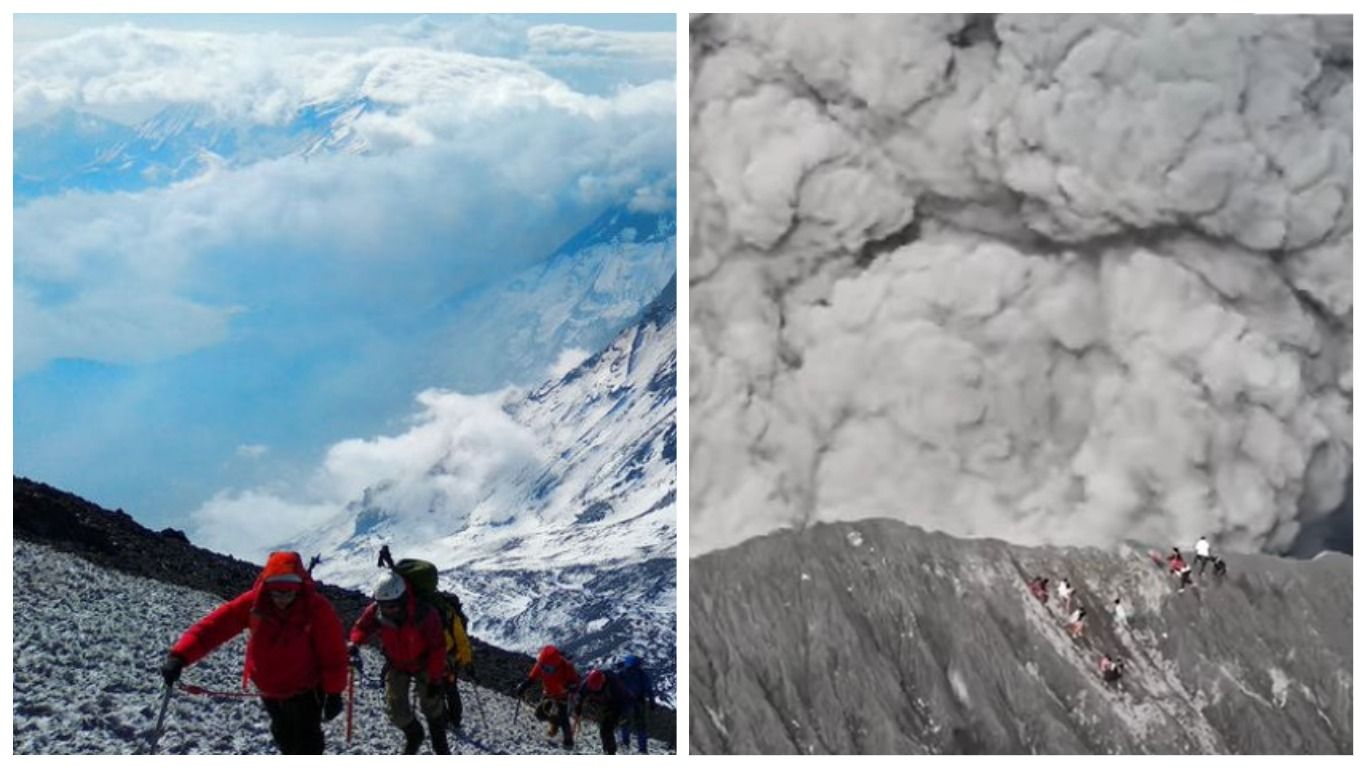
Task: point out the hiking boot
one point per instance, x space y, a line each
552 729
439 744
568 745
412 737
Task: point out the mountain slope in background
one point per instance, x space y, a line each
576 549
580 298
875 637
102 598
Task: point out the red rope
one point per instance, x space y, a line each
195 690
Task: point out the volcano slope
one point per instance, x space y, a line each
877 637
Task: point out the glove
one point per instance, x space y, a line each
170 670
521 688
332 706
357 660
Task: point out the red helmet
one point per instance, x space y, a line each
548 653
596 679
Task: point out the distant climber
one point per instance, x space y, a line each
295 654
415 657
1065 593
313 562
1038 587
604 690
641 697
1177 565
1076 622
558 679
1111 670
386 560
1202 557
1121 614
1220 569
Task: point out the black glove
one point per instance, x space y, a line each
357 660
521 688
332 706
170 670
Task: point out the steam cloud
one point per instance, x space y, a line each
1061 279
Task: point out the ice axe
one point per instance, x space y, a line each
161 718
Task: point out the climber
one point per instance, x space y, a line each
605 691
1177 565
1076 622
1038 587
1220 568
386 560
295 653
1121 614
1065 594
1111 670
558 679
1202 557
641 693
415 657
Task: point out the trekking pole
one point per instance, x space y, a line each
517 712
161 718
350 701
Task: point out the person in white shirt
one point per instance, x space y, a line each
1202 554
1065 594
1121 614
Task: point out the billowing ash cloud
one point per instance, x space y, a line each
1045 278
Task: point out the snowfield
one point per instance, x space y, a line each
88 646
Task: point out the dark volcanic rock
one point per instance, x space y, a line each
876 637
114 540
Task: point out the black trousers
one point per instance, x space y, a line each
296 723
610 717
557 712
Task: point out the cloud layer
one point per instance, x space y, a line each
1069 279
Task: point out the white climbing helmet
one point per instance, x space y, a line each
389 587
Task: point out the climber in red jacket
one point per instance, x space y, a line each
414 646
558 679
295 656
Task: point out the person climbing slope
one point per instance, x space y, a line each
296 656
1177 566
415 651
386 560
1111 670
1202 555
641 697
604 690
1076 622
1038 587
1121 613
558 678
1065 593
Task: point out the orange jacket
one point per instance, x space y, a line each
288 652
557 675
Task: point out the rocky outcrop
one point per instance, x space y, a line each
877 637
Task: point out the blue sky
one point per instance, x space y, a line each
220 328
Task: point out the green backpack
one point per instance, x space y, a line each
422 577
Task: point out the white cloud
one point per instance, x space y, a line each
568 360
252 451
463 457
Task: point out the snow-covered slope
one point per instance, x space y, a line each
578 299
571 538
89 641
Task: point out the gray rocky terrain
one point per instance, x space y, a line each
877 637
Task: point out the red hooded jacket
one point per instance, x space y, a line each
558 677
288 652
410 646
